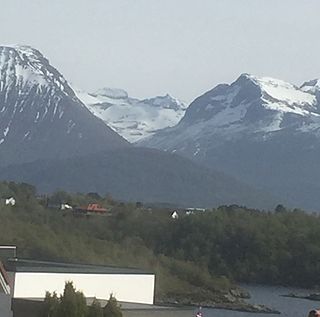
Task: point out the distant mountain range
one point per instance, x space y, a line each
132 118
263 131
49 138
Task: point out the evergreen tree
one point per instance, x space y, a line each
72 303
112 309
280 208
95 310
50 305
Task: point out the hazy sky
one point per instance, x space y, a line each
183 47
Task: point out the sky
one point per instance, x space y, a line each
180 47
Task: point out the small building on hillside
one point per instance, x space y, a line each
66 207
192 210
10 201
91 208
175 215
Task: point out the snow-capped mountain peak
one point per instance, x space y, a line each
133 118
282 91
25 67
312 87
250 105
40 116
273 89
166 102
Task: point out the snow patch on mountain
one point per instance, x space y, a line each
285 97
281 98
132 118
312 87
283 91
23 66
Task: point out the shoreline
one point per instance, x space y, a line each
238 306
313 297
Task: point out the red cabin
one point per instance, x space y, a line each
96 208
93 208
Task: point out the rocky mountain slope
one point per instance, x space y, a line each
261 130
40 116
132 118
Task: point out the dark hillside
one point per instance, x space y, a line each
139 174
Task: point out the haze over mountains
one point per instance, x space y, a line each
263 131
49 138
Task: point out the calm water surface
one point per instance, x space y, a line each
270 296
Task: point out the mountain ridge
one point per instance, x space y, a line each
242 128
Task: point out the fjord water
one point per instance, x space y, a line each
271 297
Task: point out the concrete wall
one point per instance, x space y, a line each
136 288
5 305
29 308
159 313
26 308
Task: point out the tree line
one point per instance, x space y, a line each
209 250
72 303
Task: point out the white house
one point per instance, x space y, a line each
175 215
65 207
10 201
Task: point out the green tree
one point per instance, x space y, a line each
112 309
280 208
50 305
95 310
94 196
72 302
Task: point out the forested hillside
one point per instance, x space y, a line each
201 254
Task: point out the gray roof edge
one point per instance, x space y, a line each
28 265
